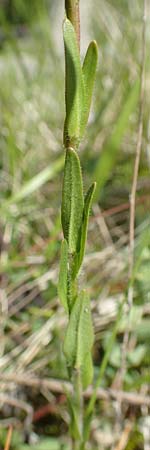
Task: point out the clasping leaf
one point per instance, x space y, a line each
72 200
78 259
74 93
79 86
79 339
87 205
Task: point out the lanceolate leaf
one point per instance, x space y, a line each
70 343
63 275
87 370
74 87
85 340
87 205
89 72
78 257
79 338
72 200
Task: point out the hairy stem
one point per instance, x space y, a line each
72 12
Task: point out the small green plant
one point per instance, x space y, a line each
74 216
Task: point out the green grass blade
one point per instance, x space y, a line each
74 93
107 160
63 275
102 369
72 200
35 183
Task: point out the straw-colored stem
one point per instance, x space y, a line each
72 12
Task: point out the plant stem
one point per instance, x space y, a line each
79 393
78 402
72 12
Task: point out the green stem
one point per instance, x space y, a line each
78 399
72 12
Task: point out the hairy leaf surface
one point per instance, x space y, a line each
89 72
79 338
87 205
78 257
63 275
74 93
72 200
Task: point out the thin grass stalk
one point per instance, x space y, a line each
133 194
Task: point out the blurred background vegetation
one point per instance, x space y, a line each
32 322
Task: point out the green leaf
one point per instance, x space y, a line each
87 370
70 342
74 93
89 72
72 200
63 275
78 257
87 205
85 340
79 338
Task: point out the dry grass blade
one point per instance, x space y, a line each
8 439
124 436
57 386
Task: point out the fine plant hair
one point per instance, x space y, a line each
78 342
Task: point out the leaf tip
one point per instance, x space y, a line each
94 45
67 24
